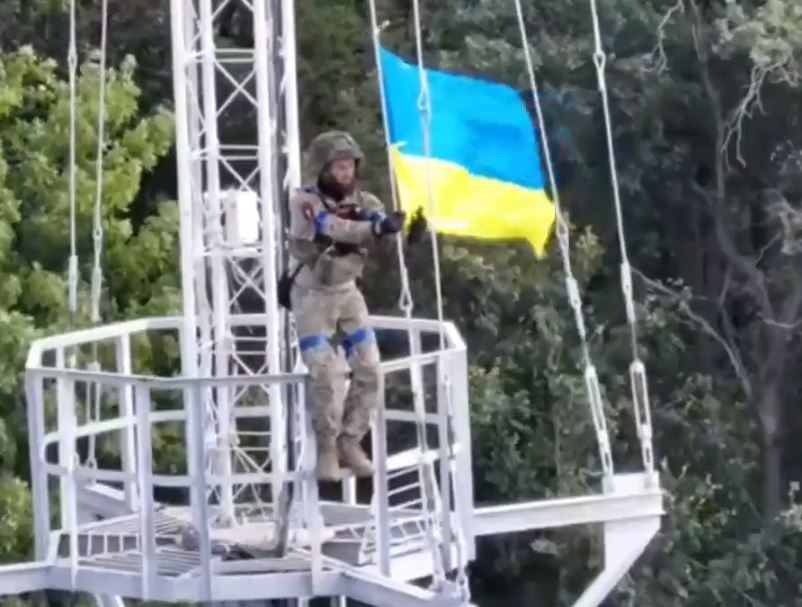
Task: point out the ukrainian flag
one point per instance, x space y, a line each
484 165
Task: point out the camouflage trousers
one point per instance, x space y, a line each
325 319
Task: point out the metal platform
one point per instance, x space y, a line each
111 562
115 536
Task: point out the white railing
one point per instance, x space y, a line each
127 409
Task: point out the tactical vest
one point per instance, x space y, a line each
329 264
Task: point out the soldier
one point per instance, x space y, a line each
333 225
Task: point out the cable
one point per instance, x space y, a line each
72 272
97 226
425 110
571 284
406 304
637 370
96 393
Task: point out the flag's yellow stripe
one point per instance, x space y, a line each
467 205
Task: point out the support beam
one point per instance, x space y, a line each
623 504
376 590
283 586
108 600
247 587
101 501
624 542
27 577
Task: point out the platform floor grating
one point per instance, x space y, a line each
115 543
169 562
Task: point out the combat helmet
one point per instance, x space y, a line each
328 147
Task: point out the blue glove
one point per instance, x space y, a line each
388 224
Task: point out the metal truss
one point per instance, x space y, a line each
237 134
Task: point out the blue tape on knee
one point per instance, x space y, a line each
357 337
312 342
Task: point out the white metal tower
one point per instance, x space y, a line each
236 128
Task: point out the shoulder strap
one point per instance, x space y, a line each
297 271
314 190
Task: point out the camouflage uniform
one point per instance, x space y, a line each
331 240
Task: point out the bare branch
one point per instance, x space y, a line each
725 288
657 58
744 109
775 359
726 321
697 33
744 265
762 253
682 304
789 313
792 326
791 220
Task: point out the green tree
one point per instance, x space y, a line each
742 308
139 260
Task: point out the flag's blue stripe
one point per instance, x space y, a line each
482 126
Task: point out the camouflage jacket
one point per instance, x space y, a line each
332 239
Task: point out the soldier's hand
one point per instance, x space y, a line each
391 224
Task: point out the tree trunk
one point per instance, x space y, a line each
769 408
770 405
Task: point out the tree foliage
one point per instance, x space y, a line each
139 260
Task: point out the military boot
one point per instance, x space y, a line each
352 456
328 464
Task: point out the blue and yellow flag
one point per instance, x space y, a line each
485 170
